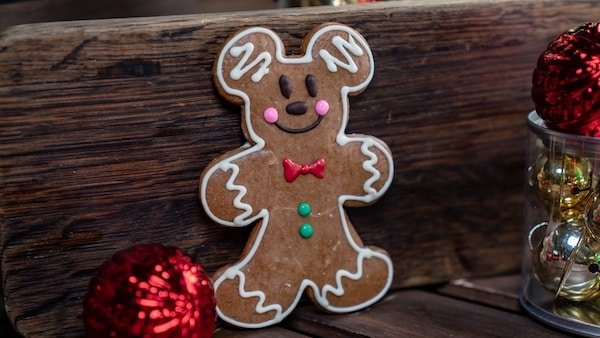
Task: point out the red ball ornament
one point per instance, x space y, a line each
150 291
566 82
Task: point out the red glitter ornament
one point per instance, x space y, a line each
150 291
566 82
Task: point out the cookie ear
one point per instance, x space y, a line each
344 53
245 61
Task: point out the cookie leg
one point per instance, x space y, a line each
240 302
358 289
242 307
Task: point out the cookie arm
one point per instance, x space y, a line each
223 194
375 162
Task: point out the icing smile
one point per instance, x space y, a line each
299 130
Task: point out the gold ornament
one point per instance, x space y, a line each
564 180
555 252
582 275
592 214
581 282
583 312
568 215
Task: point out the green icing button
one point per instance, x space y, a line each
306 230
303 209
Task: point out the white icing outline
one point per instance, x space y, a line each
243 67
343 46
245 218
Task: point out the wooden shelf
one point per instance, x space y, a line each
430 313
465 308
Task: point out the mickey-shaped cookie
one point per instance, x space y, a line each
295 176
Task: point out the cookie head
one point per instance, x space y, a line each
305 95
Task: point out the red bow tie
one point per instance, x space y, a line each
292 170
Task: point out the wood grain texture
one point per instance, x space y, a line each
30 11
107 124
272 332
500 291
415 313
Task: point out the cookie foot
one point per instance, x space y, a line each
364 287
242 308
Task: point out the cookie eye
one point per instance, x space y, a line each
311 85
285 85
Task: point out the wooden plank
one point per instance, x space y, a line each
500 291
106 125
22 12
416 313
273 332
6 331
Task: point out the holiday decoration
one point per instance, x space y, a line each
582 277
592 214
150 291
563 156
556 252
565 88
564 179
581 281
565 182
581 312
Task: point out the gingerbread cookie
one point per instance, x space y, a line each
295 176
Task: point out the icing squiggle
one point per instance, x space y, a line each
369 166
356 45
242 191
343 46
260 308
243 67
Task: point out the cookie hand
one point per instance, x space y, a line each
379 165
374 169
225 208
224 191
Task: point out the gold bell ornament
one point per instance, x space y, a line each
563 180
553 254
581 281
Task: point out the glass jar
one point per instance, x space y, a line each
561 253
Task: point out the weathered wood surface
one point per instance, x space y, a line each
272 332
105 126
416 313
499 291
30 11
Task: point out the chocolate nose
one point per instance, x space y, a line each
296 108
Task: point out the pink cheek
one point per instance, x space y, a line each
322 107
271 115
